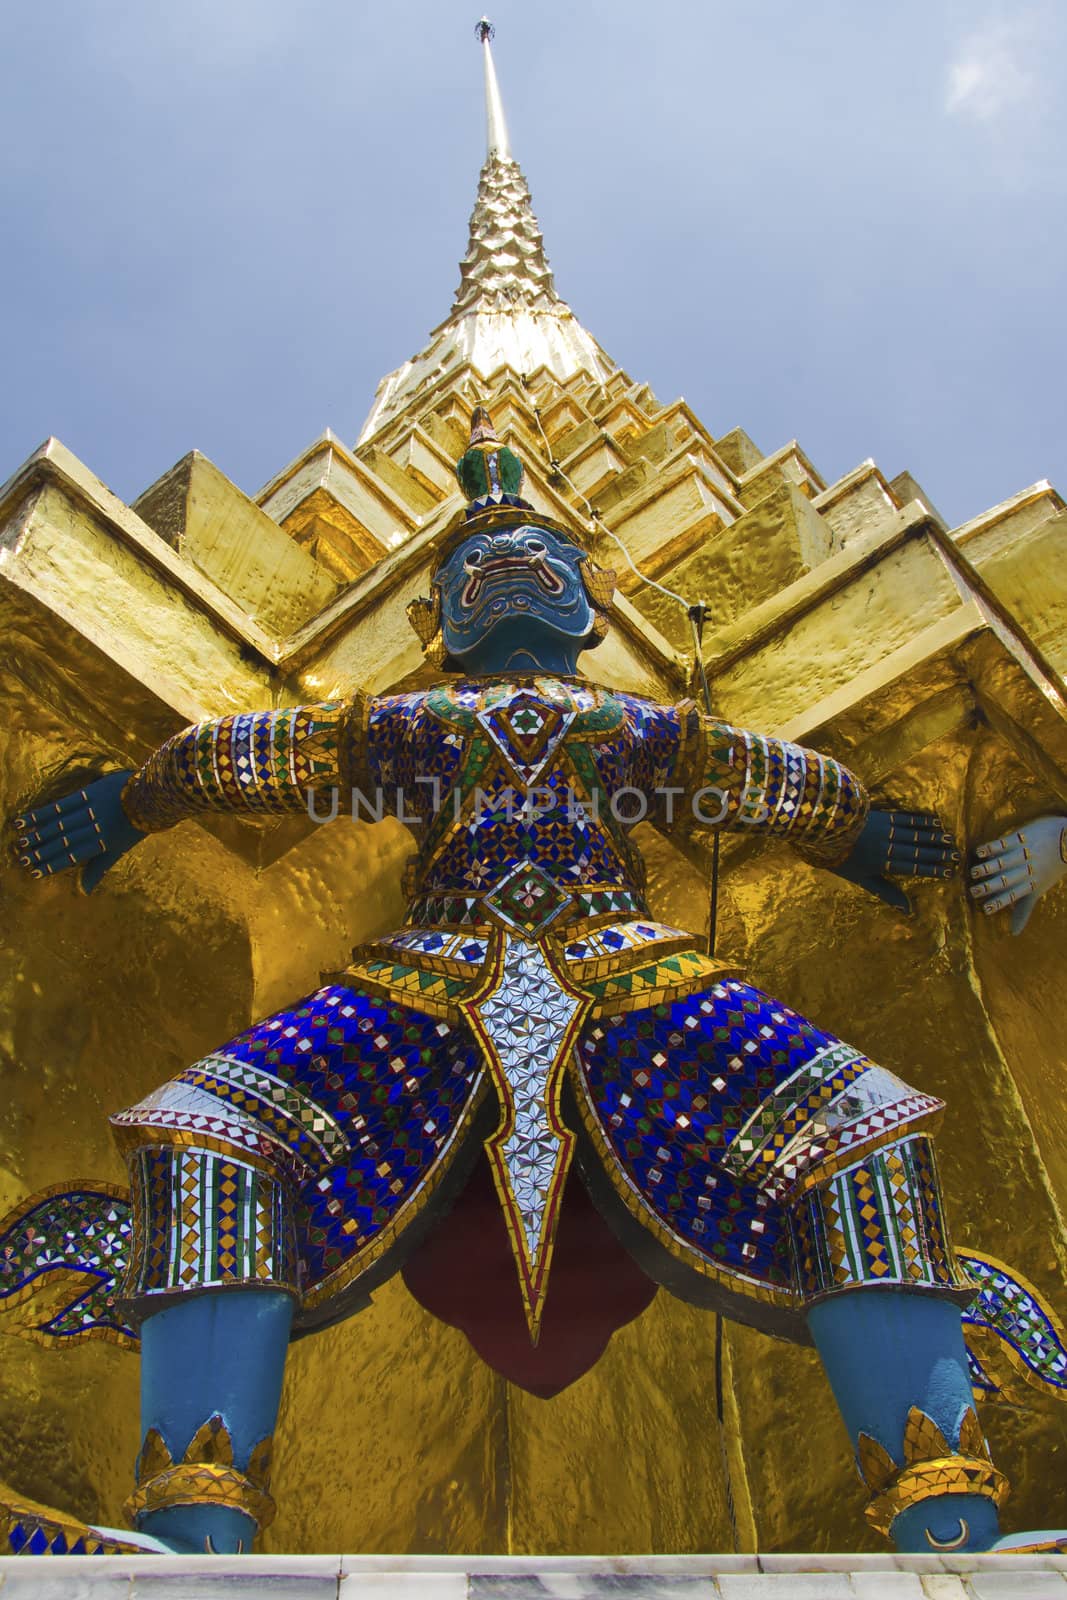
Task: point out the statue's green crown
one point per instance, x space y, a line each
487 469
491 476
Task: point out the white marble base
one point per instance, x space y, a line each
771 1577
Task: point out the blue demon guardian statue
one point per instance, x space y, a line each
533 1048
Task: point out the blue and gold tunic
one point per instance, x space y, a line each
530 1007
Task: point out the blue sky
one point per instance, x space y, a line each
839 222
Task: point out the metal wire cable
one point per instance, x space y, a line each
594 516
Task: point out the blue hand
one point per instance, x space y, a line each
906 844
1017 869
88 826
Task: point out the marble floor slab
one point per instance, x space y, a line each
771 1577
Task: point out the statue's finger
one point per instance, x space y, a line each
48 821
1007 897
944 866
63 828
921 861
1009 862
927 837
39 869
917 819
37 839
1018 880
71 849
36 848
943 844
1020 914
999 847
28 855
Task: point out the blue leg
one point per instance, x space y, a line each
218 1354
884 1351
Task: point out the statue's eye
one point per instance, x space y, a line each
474 557
536 546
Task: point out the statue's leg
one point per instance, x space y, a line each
889 1352
213 1282
774 1160
217 1356
262 1181
886 1301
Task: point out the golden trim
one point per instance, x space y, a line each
211 1445
923 1439
33 1516
154 1458
586 969
926 1480
145 1302
199 1483
645 999
206 1475
424 615
600 583
972 1439
415 999
419 960
876 1466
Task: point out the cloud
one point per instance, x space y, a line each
995 72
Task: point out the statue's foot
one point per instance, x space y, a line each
1039 1541
30 1529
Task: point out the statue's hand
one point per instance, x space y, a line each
85 829
1017 869
904 844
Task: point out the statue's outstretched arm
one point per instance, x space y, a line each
745 782
1016 869
261 763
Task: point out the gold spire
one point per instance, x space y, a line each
496 127
506 311
505 265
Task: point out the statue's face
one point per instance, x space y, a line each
525 582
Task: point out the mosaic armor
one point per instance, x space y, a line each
533 1006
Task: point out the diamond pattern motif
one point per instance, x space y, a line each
203 1218
86 1232
526 729
1031 1335
878 1221
526 899
527 1017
